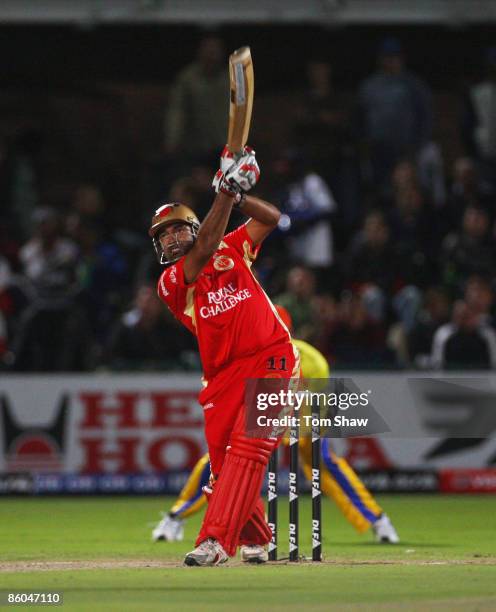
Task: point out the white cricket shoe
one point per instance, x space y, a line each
169 529
209 552
255 553
384 530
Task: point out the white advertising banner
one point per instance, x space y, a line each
144 431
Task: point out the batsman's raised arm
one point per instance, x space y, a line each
209 236
264 218
231 181
176 231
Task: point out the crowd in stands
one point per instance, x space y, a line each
384 255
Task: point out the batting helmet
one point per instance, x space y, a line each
173 212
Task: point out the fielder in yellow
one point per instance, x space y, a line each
338 479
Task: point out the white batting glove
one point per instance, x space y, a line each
241 176
227 158
220 184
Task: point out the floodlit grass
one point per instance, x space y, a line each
446 559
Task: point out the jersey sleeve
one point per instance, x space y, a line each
172 288
240 240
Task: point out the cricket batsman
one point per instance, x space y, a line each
339 481
209 286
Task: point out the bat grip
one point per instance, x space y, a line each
236 154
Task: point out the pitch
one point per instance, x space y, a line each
99 553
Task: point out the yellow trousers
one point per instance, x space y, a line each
339 482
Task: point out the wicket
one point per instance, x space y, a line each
294 491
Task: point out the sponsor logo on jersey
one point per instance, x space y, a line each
172 275
223 299
223 263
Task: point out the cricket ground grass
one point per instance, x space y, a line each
98 552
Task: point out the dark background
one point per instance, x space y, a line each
48 56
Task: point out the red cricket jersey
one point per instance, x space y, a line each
226 308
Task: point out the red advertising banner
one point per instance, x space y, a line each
144 432
468 481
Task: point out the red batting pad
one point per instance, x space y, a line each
256 530
258 449
233 501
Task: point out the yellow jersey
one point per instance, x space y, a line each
313 363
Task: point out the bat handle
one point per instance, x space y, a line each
236 154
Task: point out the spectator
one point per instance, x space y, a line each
479 297
404 176
53 333
354 338
371 265
467 188
430 167
49 259
425 174
384 274
322 122
469 341
20 180
299 301
469 251
323 131
322 125
196 118
148 336
414 228
435 312
89 205
395 113
307 204
102 273
479 118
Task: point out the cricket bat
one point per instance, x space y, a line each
241 100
